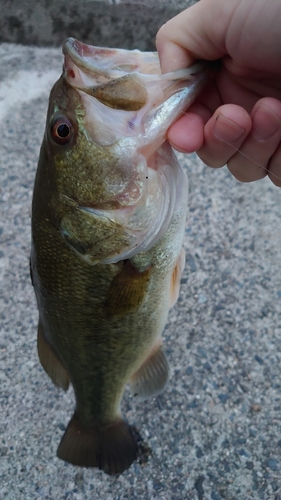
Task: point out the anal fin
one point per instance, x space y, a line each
112 448
50 362
153 375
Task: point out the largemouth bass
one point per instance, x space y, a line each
108 218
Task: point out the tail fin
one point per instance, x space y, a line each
111 448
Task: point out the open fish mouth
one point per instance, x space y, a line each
108 63
139 100
129 106
124 79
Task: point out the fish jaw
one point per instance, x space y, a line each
128 107
124 90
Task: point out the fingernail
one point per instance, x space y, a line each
265 123
226 130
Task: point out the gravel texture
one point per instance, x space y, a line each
215 432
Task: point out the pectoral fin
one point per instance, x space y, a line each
51 364
153 375
127 290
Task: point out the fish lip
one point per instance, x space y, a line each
87 57
77 51
80 50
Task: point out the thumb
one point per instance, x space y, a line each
196 33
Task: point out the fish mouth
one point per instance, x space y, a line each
106 63
124 92
124 79
129 106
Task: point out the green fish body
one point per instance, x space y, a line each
108 218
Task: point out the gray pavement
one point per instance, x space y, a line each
215 433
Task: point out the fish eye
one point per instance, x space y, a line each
62 130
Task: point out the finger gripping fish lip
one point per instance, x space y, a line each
123 61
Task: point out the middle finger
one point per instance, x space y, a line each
224 134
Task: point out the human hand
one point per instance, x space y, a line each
241 108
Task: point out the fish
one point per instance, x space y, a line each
108 218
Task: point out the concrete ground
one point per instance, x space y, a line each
215 433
